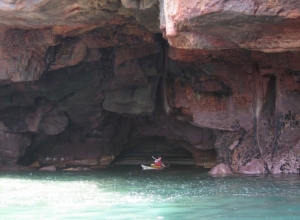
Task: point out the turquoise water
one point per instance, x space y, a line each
131 193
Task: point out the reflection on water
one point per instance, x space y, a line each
131 193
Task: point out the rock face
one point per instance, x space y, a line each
264 25
82 81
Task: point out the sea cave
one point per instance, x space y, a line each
114 82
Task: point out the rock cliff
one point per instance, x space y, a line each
83 81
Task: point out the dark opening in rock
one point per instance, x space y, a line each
142 152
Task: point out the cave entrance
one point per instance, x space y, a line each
141 151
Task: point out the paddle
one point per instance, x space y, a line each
156 159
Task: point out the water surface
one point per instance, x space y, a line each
131 193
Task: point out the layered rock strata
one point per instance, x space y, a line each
81 81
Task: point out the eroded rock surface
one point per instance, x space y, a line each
264 25
82 81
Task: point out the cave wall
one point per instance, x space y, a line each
79 80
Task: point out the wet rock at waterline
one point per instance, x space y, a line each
220 169
48 168
86 82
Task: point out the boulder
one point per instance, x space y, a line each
48 168
220 169
54 122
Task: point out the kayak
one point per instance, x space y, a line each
153 167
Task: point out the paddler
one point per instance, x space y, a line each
158 162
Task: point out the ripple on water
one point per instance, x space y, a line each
174 194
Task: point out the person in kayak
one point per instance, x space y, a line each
158 162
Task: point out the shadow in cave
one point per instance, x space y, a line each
142 151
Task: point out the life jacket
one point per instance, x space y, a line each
158 163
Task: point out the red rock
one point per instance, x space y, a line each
231 24
227 108
69 53
161 125
12 146
255 166
127 53
84 106
22 64
28 38
44 118
69 69
220 169
110 36
48 168
130 100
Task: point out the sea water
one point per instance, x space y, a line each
131 193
